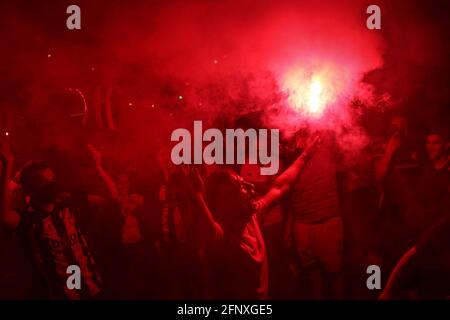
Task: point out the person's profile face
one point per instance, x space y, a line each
435 146
237 200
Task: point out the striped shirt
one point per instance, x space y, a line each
55 242
314 196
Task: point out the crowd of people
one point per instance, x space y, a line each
227 232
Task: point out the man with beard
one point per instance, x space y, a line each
48 228
236 253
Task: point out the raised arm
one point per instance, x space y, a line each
207 216
196 188
8 217
107 180
398 275
285 181
382 166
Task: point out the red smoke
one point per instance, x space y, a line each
246 49
225 58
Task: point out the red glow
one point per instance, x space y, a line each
309 93
315 104
315 90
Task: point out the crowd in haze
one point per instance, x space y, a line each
227 232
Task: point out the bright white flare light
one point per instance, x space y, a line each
314 103
308 93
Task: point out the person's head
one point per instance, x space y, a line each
436 145
38 181
229 198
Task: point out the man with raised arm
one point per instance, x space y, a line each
48 228
236 255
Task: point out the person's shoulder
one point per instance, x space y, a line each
426 167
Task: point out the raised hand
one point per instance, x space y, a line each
95 154
196 180
191 179
394 143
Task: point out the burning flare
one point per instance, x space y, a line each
311 91
314 103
